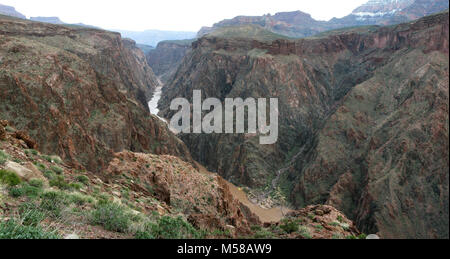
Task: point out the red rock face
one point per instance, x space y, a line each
81 93
351 103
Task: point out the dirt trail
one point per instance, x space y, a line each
265 215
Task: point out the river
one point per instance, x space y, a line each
153 104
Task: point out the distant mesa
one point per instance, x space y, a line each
375 12
53 20
56 20
153 37
10 11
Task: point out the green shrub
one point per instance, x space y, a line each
31 214
54 202
75 186
58 170
52 159
111 216
83 179
59 182
41 167
47 158
169 228
319 227
38 183
9 178
80 199
146 235
304 232
49 174
362 236
336 236
263 234
3 157
334 224
255 228
289 226
30 191
56 159
14 230
16 192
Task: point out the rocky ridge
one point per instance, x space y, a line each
299 24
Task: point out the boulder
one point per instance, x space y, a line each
36 173
24 172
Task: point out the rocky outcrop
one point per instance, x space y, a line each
80 93
340 95
204 198
165 59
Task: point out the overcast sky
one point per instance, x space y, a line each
180 15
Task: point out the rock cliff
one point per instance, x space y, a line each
81 93
167 56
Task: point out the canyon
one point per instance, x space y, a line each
348 101
76 134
